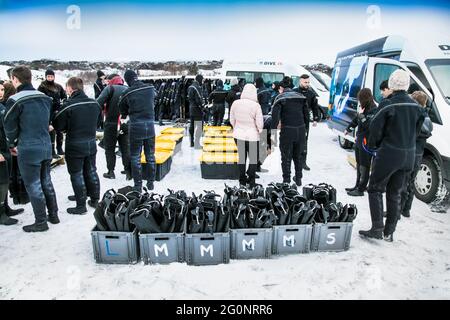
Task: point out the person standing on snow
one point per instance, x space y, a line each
290 111
393 133
78 118
247 120
264 95
217 97
99 85
363 157
55 91
234 93
408 191
196 105
305 89
138 102
26 124
109 100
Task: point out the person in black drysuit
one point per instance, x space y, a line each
408 192
393 133
99 85
234 93
5 160
363 157
196 105
138 102
78 118
55 91
290 110
312 106
264 96
217 97
109 99
26 124
175 100
274 92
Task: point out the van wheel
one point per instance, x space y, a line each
344 143
428 180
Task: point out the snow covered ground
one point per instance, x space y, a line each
59 264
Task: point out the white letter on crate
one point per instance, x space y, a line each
161 249
250 246
209 249
288 241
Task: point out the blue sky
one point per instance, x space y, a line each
307 31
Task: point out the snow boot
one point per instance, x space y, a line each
150 185
72 198
93 203
389 237
53 218
109 175
305 167
36 227
298 181
356 193
79 209
372 233
12 212
5 219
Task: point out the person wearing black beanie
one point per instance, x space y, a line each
196 103
55 91
138 103
99 84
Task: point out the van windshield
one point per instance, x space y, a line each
440 70
251 76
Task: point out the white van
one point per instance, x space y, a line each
272 71
428 64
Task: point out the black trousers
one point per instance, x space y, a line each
136 145
292 144
408 191
389 169
110 139
84 178
305 149
58 137
37 180
196 130
247 150
218 114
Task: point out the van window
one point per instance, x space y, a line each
440 70
415 69
382 72
248 76
251 76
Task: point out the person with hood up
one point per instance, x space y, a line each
196 106
138 102
247 120
109 101
363 157
99 84
393 133
78 118
217 98
55 91
291 112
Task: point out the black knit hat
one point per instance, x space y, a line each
49 72
286 82
100 73
130 77
199 78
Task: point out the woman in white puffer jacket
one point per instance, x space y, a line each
247 120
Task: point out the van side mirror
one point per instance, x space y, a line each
433 112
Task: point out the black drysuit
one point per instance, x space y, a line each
312 106
264 99
78 118
57 93
408 191
109 98
138 102
217 97
362 154
196 103
26 126
290 109
393 133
